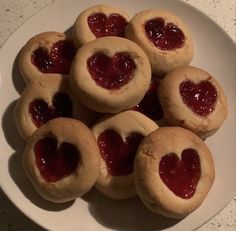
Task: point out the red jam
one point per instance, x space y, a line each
164 36
181 176
200 98
150 105
41 113
118 154
57 60
102 26
111 72
53 162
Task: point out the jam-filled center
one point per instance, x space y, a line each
111 72
101 25
57 60
200 98
150 105
164 36
53 162
41 113
119 154
181 176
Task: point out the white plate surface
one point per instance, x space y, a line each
215 52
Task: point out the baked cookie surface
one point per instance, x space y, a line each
46 54
118 138
173 171
164 37
193 99
99 21
45 99
62 160
110 74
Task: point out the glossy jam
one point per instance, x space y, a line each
101 25
200 98
55 163
150 105
41 113
164 36
57 60
118 154
111 72
181 176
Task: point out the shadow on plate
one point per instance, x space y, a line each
15 163
68 31
10 130
126 215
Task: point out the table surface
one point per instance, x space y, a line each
13 13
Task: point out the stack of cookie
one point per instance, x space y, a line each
116 105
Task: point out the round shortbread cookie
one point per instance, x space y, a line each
45 99
193 99
99 21
62 160
173 171
164 37
118 138
110 74
46 54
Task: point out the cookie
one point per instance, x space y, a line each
192 98
46 54
118 138
173 171
99 21
110 74
62 160
164 37
45 99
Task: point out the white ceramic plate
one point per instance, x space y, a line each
215 52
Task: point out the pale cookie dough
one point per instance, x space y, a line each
81 31
154 193
125 123
86 172
162 61
177 113
98 98
44 40
46 89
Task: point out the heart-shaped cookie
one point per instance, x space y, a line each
55 163
200 98
101 25
111 72
41 113
164 36
181 176
57 60
119 154
173 171
62 160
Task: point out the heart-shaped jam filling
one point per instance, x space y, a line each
111 72
57 60
164 36
41 113
200 98
118 154
101 25
181 176
53 162
150 105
